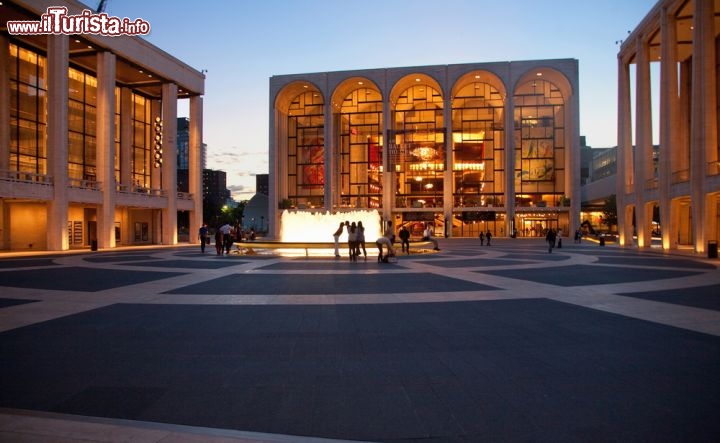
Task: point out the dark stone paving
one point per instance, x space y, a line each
6 263
655 262
285 284
116 258
587 275
705 297
6 302
78 278
517 370
476 262
192 264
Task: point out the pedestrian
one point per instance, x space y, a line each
389 233
218 241
482 238
384 242
578 236
361 240
352 241
336 237
550 239
404 235
428 236
488 236
203 237
225 229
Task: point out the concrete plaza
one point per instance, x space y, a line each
501 343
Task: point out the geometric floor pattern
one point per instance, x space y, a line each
501 343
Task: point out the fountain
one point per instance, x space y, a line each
301 226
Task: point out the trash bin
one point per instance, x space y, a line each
602 241
712 249
93 245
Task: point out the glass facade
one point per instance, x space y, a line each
28 111
360 149
141 141
418 154
82 111
306 150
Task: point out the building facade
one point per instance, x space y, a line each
463 148
88 139
680 180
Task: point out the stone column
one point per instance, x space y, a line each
57 141
624 154
195 169
703 117
448 201
169 165
389 174
668 123
106 148
328 148
643 140
509 148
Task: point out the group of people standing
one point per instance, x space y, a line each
225 237
356 239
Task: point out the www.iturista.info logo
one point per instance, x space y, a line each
57 21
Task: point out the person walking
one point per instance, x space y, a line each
336 237
550 239
203 236
218 242
482 238
488 236
428 236
404 235
226 239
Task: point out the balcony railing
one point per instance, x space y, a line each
25 177
84 184
680 176
713 168
140 190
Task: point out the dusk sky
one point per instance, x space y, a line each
243 43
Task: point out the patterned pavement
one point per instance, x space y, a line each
501 343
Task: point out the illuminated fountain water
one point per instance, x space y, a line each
301 226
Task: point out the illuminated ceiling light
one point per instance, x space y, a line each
361 83
477 76
305 86
539 74
417 79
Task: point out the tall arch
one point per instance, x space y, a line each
545 159
357 107
300 114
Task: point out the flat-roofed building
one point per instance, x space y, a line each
88 140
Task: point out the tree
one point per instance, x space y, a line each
609 211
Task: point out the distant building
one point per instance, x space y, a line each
215 189
261 184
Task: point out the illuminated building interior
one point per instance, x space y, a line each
431 147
